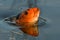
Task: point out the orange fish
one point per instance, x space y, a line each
28 20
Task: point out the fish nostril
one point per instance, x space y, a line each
26 12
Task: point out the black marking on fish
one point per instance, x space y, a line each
17 17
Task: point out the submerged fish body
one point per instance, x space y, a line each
28 21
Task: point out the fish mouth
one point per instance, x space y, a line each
37 9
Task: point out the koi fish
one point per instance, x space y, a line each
28 20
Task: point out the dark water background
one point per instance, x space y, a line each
50 10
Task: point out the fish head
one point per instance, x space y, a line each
29 15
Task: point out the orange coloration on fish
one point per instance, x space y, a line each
27 21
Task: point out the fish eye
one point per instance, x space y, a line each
26 12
